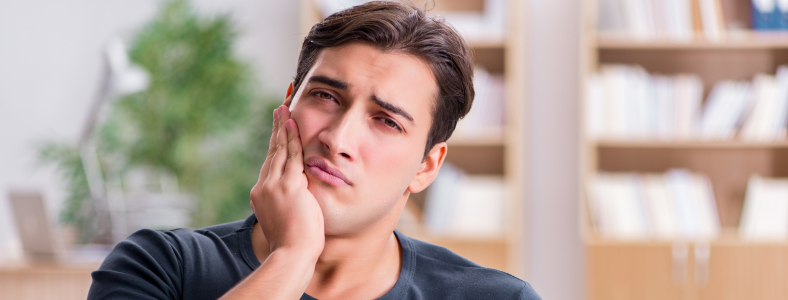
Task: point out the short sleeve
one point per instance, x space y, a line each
147 265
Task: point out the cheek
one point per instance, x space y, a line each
393 165
309 123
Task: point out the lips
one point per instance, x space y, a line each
318 168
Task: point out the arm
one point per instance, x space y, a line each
288 215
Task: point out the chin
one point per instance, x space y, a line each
336 219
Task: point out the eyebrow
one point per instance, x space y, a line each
338 84
334 83
391 107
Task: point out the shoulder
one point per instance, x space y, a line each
444 274
175 243
153 263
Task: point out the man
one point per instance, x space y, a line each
378 90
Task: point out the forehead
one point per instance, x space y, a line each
395 76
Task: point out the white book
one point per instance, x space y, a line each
653 108
610 18
495 117
727 104
634 217
668 103
780 118
688 97
618 207
637 103
657 119
710 16
683 20
601 190
595 107
680 183
661 21
441 200
757 124
713 109
707 215
647 14
479 210
615 82
669 15
486 117
662 214
737 112
635 21
765 211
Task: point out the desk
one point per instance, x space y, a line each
43 281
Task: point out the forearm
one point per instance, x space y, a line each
283 275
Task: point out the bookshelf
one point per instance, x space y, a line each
741 40
500 153
725 267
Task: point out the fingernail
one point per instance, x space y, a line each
277 112
287 125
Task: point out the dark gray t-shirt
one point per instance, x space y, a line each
206 263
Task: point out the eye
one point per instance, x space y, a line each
323 95
390 123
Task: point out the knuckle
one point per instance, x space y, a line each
291 153
280 146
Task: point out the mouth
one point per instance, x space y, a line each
318 168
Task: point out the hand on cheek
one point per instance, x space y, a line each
287 212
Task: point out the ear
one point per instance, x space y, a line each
429 168
289 95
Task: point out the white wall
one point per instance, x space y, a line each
552 60
50 65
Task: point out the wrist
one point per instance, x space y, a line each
295 255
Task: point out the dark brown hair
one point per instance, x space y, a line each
394 26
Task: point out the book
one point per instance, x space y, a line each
626 102
487 116
662 212
646 19
781 15
618 206
727 104
439 206
712 19
462 205
763 14
765 210
479 210
675 205
757 126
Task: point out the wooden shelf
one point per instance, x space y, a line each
477 43
687 144
487 141
737 40
424 236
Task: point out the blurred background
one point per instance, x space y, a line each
617 149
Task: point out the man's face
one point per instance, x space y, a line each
364 116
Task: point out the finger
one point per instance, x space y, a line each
295 155
280 157
264 170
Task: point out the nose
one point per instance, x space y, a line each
341 137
